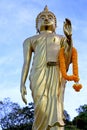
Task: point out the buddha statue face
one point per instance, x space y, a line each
46 21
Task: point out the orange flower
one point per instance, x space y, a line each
74 77
77 87
75 63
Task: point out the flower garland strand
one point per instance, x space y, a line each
74 77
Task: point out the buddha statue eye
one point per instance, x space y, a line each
50 17
42 17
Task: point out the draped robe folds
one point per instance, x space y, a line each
46 84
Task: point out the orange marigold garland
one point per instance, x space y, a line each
75 76
75 64
77 87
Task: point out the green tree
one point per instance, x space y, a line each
18 118
67 116
6 107
81 120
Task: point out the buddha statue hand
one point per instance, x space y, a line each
23 93
67 28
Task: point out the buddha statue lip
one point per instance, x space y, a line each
47 25
47 22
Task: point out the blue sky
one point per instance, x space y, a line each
17 22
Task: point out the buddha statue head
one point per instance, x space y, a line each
46 21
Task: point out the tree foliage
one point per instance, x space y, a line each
18 118
67 116
81 120
82 109
7 106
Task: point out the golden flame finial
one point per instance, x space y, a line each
46 8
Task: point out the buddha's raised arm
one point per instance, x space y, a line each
67 28
66 41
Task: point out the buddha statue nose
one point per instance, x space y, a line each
46 20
